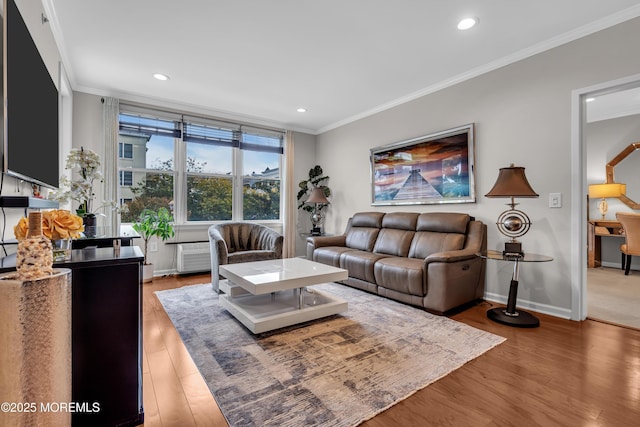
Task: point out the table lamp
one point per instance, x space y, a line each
513 223
318 198
605 191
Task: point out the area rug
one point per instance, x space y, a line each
337 371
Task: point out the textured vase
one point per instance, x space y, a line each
34 256
35 348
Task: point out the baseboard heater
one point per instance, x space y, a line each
194 257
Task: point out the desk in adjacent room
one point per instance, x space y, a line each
596 230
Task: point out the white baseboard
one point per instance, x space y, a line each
551 310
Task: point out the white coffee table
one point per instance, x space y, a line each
267 295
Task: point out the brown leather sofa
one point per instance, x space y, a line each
426 260
234 242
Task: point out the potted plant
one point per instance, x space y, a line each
86 165
152 223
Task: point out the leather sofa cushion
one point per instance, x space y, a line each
362 238
329 255
400 220
425 243
367 219
443 222
404 275
394 242
360 264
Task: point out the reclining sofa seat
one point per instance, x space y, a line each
426 260
235 242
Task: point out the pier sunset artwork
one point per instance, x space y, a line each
431 169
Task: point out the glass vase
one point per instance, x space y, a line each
61 250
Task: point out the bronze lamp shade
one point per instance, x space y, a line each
512 182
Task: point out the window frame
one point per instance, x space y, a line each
121 153
121 177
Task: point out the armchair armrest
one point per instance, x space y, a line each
219 249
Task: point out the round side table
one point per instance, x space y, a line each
509 315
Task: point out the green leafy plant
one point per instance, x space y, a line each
316 179
154 223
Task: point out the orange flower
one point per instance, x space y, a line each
20 230
56 224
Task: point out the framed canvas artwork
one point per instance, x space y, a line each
431 169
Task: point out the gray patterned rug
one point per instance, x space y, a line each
338 371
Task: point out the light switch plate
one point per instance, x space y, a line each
555 200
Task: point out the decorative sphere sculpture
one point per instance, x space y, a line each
513 223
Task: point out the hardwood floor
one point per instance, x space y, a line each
564 373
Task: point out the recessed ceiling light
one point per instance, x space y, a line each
159 76
301 110
467 23
590 99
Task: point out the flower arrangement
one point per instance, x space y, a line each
86 164
57 224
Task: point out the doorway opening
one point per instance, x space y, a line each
604 118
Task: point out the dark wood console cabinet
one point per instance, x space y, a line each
106 334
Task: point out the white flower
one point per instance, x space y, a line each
84 163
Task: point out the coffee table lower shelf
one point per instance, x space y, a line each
262 313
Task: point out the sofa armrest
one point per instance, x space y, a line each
451 256
319 241
475 242
314 242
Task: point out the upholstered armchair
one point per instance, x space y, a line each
234 242
631 247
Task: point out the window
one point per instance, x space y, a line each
153 141
125 150
202 169
261 176
126 178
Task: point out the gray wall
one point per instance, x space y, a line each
522 114
604 140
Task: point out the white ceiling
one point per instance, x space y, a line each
342 60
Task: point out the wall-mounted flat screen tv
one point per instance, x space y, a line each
31 136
